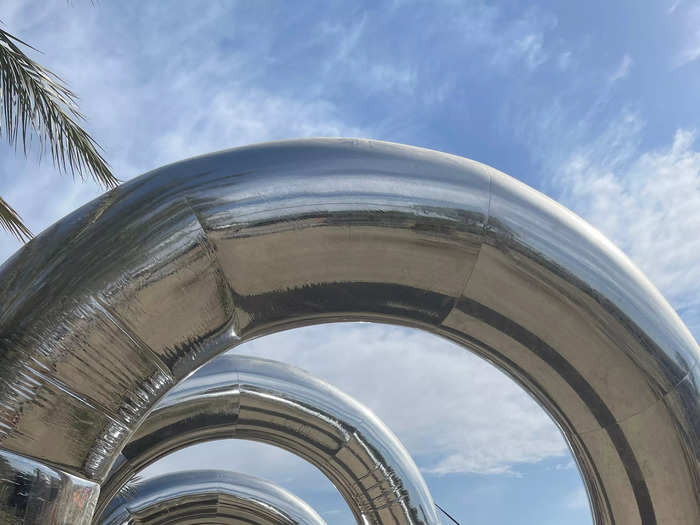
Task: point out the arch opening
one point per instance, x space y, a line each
478 439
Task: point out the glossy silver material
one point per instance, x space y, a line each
107 309
34 493
209 497
258 399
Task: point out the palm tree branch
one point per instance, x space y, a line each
12 222
35 99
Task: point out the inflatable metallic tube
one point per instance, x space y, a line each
209 496
31 492
107 309
249 398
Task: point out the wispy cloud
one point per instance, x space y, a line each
690 26
646 202
519 41
532 50
564 60
569 465
673 5
578 499
622 70
691 50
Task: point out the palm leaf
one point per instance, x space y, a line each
36 102
11 221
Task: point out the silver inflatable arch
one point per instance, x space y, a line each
209 497
244 397
107 309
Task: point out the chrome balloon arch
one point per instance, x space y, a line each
113 305
243 397
204 497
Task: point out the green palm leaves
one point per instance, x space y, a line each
36 103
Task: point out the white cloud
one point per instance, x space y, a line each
690 28
391 78
691 50
648 203
532 50
673 6
237 118
622 70
569 465
347 37
578 499
517 42
564 60
360 65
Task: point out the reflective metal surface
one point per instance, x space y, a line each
34 493
107 309
248 398
212 497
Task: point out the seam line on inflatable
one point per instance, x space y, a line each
211 252
484 233
649 407
143 347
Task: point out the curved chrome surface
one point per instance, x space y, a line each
258 399
34 493
208 497
108 308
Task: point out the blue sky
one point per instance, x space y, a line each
593 103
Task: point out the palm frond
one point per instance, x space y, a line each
11 221
35 99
